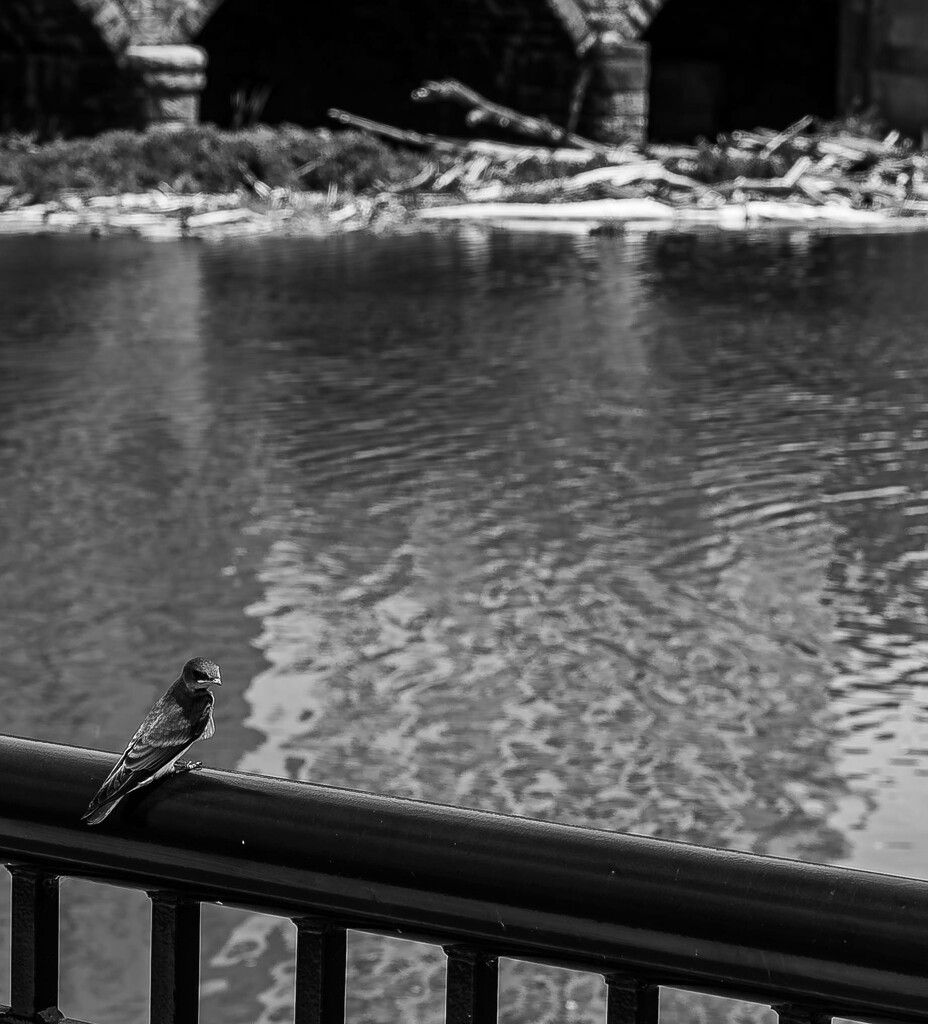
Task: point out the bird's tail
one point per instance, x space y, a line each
95 813
114 788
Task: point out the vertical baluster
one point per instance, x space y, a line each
175 958
34 942
631 1001
471 986
794 1013
321 949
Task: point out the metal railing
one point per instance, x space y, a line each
810 940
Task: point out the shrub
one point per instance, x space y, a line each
202 158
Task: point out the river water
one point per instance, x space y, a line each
628 532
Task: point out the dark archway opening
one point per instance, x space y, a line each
366 56
57 76
718 65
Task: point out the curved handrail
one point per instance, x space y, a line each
775 930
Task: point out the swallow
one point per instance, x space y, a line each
176 720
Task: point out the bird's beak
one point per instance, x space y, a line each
216 682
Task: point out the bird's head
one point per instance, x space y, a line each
201 674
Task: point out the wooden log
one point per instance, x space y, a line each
788 134
387 131
812 191
628 174
495 150
801 213
410 184
774 185
617 177
572 157
593 209
798 169
662 152
214 218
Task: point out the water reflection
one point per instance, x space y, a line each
622 532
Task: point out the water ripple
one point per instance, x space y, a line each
627 533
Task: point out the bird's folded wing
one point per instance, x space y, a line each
168 730
163 738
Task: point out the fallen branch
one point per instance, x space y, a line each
787 135
798 169
772 185
813 191
544 154
834 176
448 144
424 140
483 111
411 184
589 210
612 177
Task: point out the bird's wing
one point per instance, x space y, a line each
168 730
165 735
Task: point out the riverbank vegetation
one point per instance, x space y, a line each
201 158
368 175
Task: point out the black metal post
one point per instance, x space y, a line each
175 959
471 986
321 949
631 1001
34 945
793 1013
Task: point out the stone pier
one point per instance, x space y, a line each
618 103
173 76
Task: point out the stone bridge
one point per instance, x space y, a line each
698 66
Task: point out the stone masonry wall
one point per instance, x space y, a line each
56 73
899 61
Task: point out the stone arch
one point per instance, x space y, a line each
188 20
110 20
367 55
575 15
626 19
576 20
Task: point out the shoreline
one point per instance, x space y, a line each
208 183
155 217
159 215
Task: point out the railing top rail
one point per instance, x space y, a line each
708 918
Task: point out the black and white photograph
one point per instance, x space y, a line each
463 512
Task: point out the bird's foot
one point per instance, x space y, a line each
187 766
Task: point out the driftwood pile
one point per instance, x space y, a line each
158 213
811 172
843 174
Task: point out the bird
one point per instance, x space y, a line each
183 715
